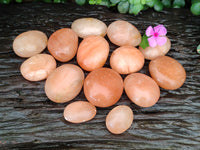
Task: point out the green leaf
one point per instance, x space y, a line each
198 49
143 2
176 6
105 3
144 43
135 9
158 6
47 1
195 1
150 3
195 8
5 1
135 2
57 1
145 7
180 3
94 2
115 1
80 2
98 2
131 1
123 7
166 3
18 1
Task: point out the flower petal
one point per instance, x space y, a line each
149 31
152 41
160 29
157 28
161 40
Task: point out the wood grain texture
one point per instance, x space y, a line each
29 120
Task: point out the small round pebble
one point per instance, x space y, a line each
103 87
167 72
89 26
123 33
141 89
92 52
79 112
119 119
29 43
63 44
64 83
38 67
126 60
151 53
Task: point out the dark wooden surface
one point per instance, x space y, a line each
28 120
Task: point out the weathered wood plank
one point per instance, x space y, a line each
28 120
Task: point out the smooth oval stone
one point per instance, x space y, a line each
64 83
167 72
123 33
103 87
141 89
151 53
119 119
38 67
89 26
63 44
92 52
126 60
30 43
79 112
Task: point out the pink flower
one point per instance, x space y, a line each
156 35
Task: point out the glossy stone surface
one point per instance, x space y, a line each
89 26
151 53
79 112
64 83
30 121
167 72
119 119
126 60
38 67
92 52
123 33
103 87
63 44
30 43
141 89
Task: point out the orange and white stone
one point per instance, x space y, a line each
167 72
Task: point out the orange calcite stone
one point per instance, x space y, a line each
79 112
151 53
103 87
123 33
63 44
167 72
30 43
89 26
141 89
64 83
92 52
119 119
126 60
38 67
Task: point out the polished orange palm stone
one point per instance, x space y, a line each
63 44
167 72
92 52
141 89
103 87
